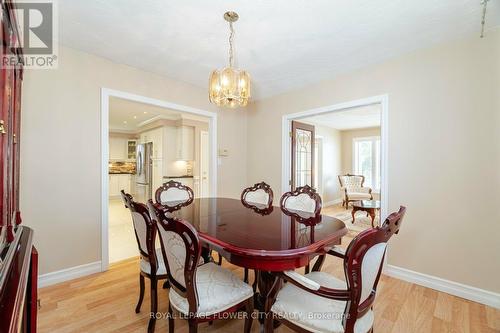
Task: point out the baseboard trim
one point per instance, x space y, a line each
68 274
454 288
333 202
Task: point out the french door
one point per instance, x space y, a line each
303 159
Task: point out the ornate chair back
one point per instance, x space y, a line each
260 194
303 203
173 195
350 181
363 265
144 228
181 251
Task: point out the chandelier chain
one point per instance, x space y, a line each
483 20
231 37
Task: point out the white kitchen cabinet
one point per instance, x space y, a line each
131 149
157 174
118 182
156 137
117 148
185 143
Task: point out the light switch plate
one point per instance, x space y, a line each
223 152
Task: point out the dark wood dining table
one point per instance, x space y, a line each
262 238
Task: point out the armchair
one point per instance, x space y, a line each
352 189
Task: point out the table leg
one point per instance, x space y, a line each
371 212
268 285
206 254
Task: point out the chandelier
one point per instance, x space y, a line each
229 87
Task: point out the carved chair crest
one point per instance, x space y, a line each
259 198
303 203
181 196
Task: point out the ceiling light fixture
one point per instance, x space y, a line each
229 87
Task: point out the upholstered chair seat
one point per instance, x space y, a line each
359 195
304 309
218 289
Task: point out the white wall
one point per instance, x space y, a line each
60 150
444 144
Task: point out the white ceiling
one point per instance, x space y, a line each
353 118
129 116
284 44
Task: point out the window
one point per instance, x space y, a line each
366 160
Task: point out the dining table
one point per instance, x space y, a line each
266 239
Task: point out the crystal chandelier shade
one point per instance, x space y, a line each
229 87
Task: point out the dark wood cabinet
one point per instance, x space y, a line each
18 257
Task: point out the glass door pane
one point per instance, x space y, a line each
302 155
303 158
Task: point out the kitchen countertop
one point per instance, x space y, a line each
121 173
185 176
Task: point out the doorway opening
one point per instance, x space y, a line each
145 143
341 151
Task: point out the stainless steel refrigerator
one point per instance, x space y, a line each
144 172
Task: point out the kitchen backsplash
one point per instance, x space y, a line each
121 167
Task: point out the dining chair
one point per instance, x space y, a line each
199 293
152 265
173 195
319 302
259 198
303 203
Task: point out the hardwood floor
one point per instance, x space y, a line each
105 302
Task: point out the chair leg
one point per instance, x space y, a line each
269 323
154 305
170 319
307 269
248 318
166 285
220 260
245 279
255 280
141 293
193 326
